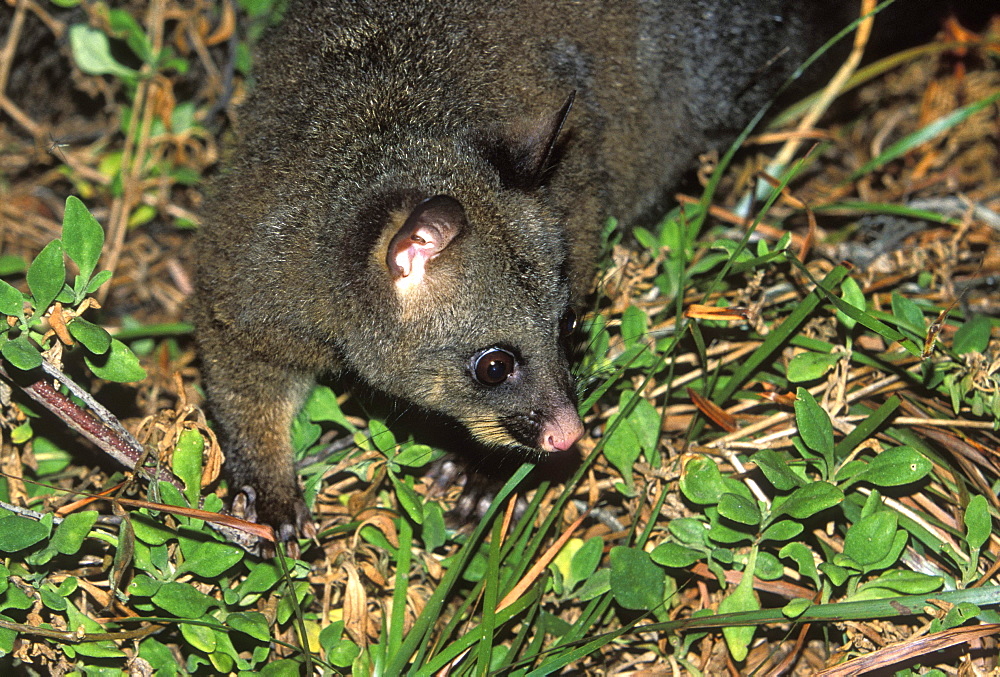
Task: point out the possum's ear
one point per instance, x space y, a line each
427 231
524 154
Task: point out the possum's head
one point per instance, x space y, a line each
473 272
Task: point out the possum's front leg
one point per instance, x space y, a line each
254 401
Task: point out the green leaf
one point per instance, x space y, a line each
598 584
810 366
701 481
415 456
252 623
636 582
561 563
853 296
101 649
803 558
149 530
870 539
814 425
742 598
209 559
16 598
11 300
10 264
262 577
51 600
382 437
850 471
304 434
959 614
784 530
971 337
768 567
98 280
585 561
21 433
837 575
909 313
123 25
94 338
978 524
21 353
408 499
808 500
723 533
50 458
187 461
433 529
622 449
903 582
17 533
894 467
183 600
144 586
688 530
340 650
119 365
775 469
796 607
199 636
72 531
92 53
82 236
322 405
47 275
675 556
634 324
642 418
739 509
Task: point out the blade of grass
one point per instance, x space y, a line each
780 334
866 428
415 645
398 613
862 208
861 317
893 607
923 135
474 636
488 623
866 74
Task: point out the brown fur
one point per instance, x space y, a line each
365 109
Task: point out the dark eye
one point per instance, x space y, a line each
494 366
567 325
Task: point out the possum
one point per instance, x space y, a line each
416 195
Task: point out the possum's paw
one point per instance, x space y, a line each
285 512
478 491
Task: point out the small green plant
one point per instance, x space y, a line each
51 310
160 568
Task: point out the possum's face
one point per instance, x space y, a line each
479 326
469 264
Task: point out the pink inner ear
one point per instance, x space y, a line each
430 228
413 253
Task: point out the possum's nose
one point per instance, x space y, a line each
561 431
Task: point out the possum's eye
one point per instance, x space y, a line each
567 325
493 366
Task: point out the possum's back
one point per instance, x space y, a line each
655 81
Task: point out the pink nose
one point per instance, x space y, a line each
562 431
